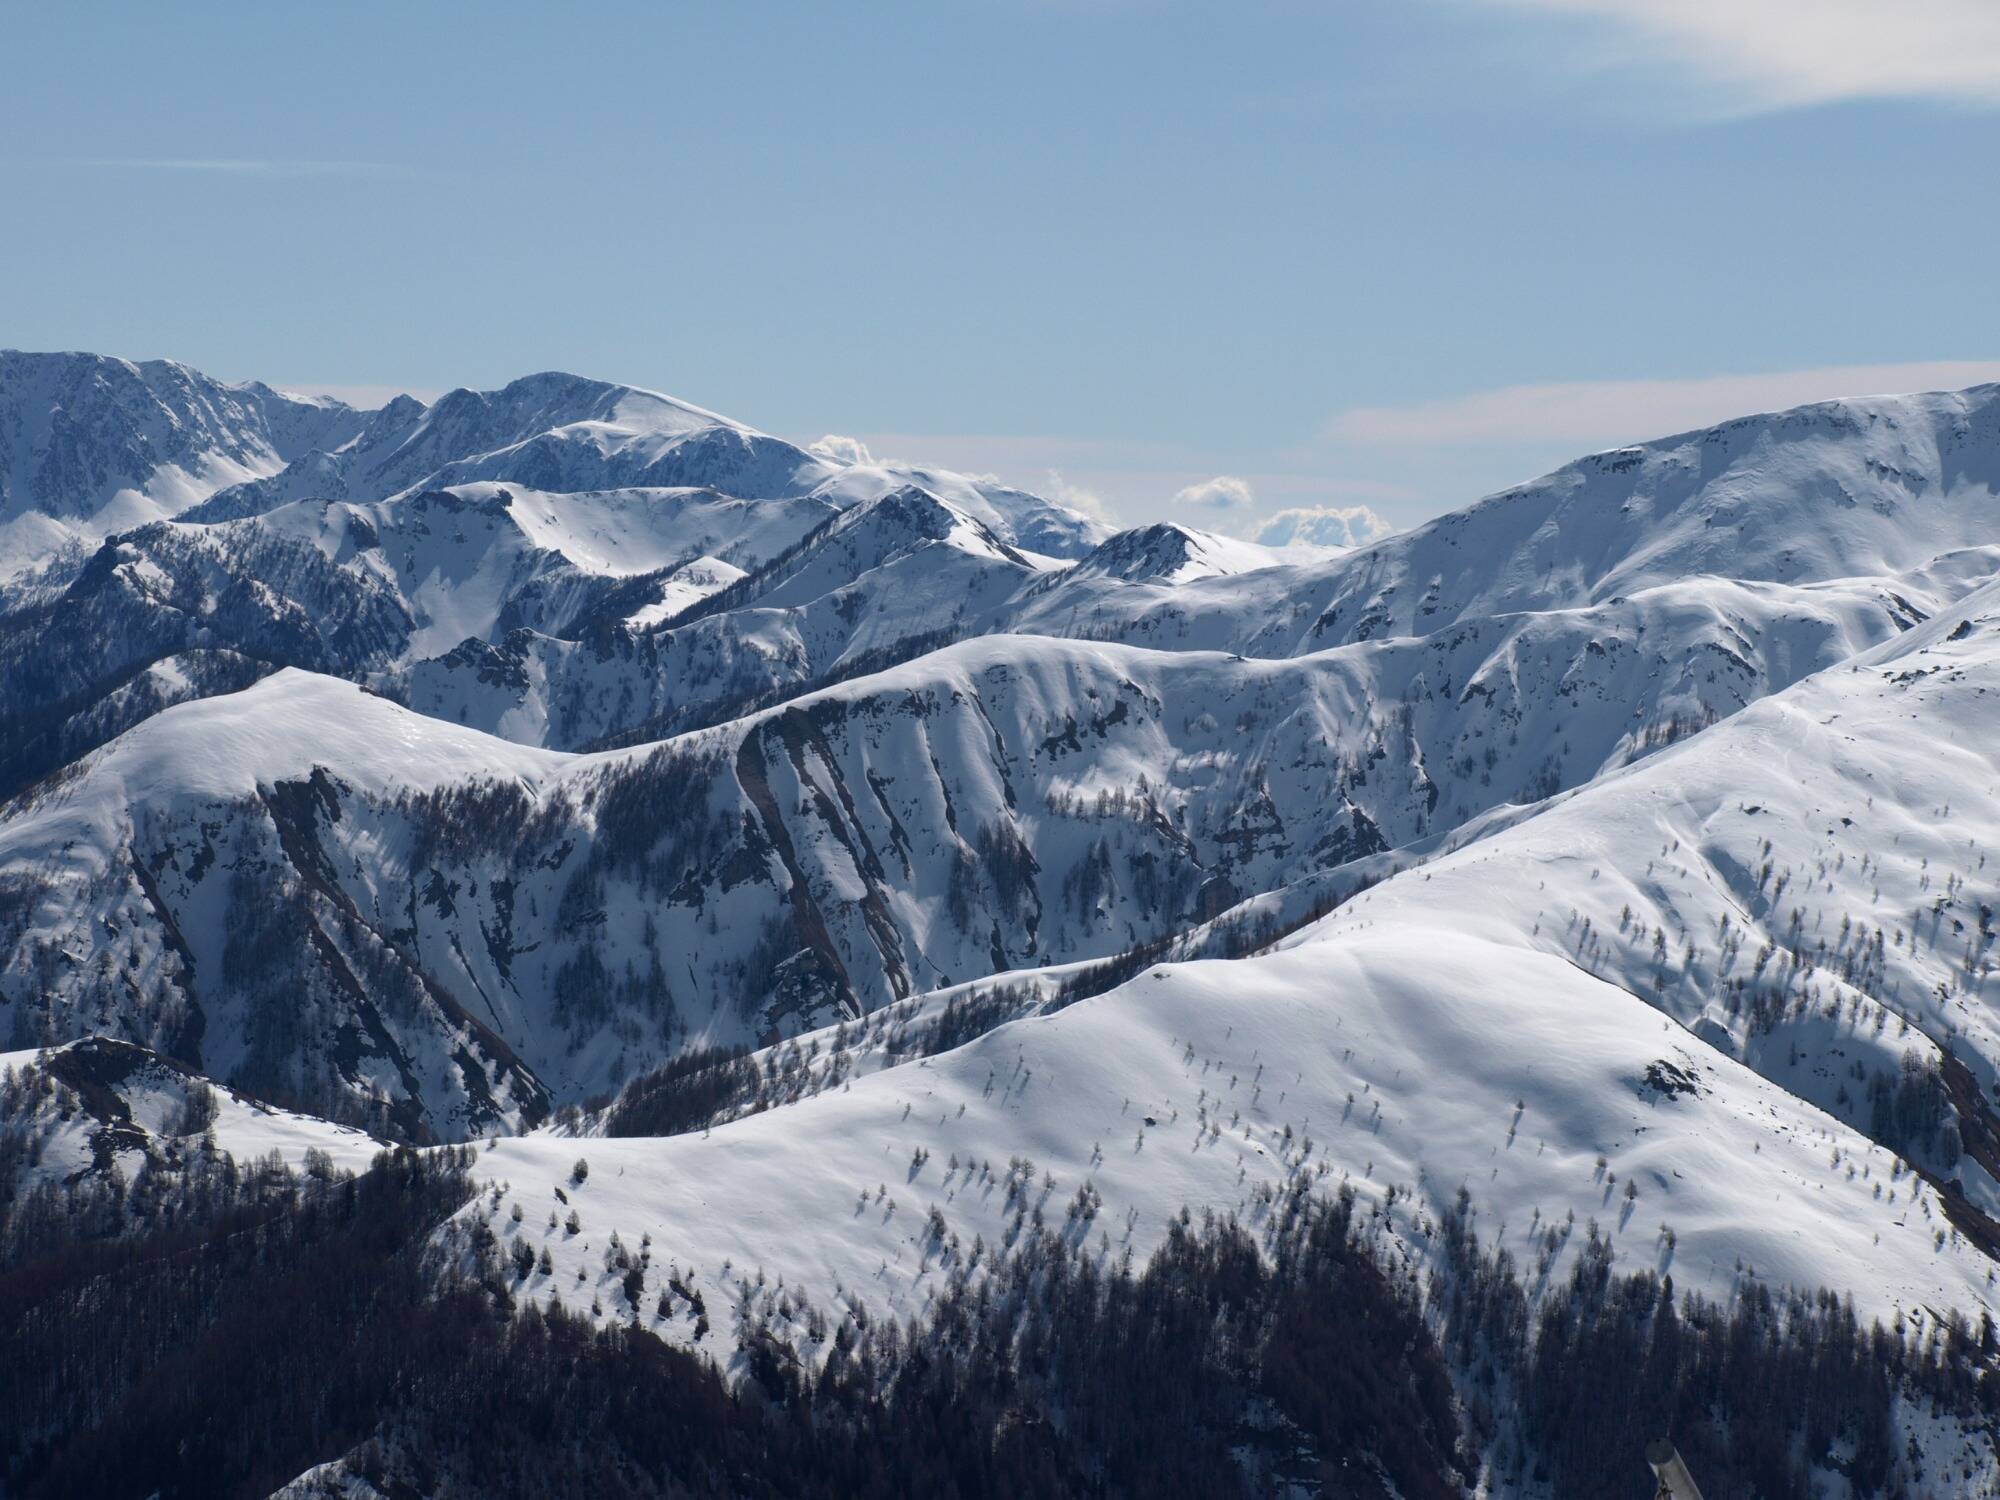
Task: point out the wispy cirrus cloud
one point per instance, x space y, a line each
1775 54
249 166
1621 411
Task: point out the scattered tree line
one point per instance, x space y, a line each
223 1344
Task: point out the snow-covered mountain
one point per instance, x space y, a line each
562 433
89 444
585 511
111 1108
568 766
1728 1011
877 583
990 805
1868 487
549 431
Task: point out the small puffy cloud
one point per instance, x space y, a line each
842 450
1222 494
1075 496
1322 526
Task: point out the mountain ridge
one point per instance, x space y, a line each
1597 874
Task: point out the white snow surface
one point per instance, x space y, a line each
155 1093
1679 768
1434 1035
90 445
1456 1027
281 729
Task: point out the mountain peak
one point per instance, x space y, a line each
1168 552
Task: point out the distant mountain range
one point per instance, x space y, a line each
1615 860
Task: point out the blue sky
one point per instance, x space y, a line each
1389 253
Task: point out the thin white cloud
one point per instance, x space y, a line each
1225 492
1783 53
1322 525
1622 411
1130 478
842 450
250 166
1022 454
1076 496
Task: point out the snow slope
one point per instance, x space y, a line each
1498 1019
1807 887
360 589
1845 489
1408 1055
1027 520
295 991
564 433
881 581
472 562
540 422
89 444
1002 802
1167 553
120 1108
1657 796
